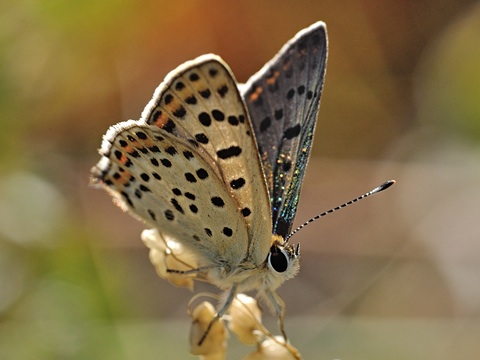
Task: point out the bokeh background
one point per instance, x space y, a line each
395 277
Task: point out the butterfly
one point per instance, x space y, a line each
218 166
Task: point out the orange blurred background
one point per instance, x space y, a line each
395 277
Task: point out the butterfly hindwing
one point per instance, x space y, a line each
283 100
162 180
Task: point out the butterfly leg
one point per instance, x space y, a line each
228 301
191 271
279 306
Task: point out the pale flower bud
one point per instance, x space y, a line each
166 253
245 319
274 349
214 346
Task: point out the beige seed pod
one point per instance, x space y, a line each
214 346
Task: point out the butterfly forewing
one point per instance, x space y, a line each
283 101
190 166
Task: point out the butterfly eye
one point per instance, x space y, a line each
278 259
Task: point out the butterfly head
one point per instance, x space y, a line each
283 260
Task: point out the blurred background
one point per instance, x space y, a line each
395 277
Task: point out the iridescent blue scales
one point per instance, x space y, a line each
218 166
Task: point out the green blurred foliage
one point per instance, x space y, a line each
449 79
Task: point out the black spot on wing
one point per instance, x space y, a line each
191 100
194 77
205 119
227 231
278 114
169 126
246 211
141 135
171 150
193 208
290 94
205 93
292 132
169 215
222 90
217 201
237 183
176 205
188 154
190 177
168 99
152 214
265 124
201 138
190 196
179 86
218 115
233 120
165 162
202 174
180 112
227 153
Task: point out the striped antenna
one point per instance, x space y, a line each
378 189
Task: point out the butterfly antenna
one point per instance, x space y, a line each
378 189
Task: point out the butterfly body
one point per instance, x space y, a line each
218 166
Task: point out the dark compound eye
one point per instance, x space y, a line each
278 259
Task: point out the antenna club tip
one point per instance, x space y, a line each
385 185
389 183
